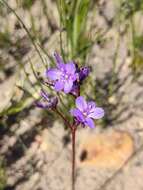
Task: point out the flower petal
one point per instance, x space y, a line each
91 106
59 61
70 67
68 86
59 86
53 74
78 114
81 103
89 122
97 113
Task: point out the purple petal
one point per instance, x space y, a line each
97 113
53 74
74 77
68 86
78 114
89 122
91 106
59 86
61 67
81 103
59 61
70 67
58 58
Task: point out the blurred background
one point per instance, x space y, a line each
35 146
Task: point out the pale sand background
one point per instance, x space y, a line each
44 161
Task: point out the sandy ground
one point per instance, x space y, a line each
37 149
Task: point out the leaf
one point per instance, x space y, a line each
80 19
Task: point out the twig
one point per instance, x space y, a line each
67 123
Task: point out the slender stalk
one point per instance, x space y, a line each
67 123
73 157
73 132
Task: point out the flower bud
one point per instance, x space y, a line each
47 101
83 73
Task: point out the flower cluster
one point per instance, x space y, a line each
67 77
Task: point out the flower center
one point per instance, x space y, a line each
66 76
85 113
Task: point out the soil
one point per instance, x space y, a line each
36 147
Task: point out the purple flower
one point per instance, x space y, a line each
47 101
85 112
63 76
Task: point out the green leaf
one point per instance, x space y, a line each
80 19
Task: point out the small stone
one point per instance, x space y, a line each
106 150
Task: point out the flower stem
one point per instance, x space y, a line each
63 117
73 157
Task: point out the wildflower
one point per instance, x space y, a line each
85 112
63 76
47 101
